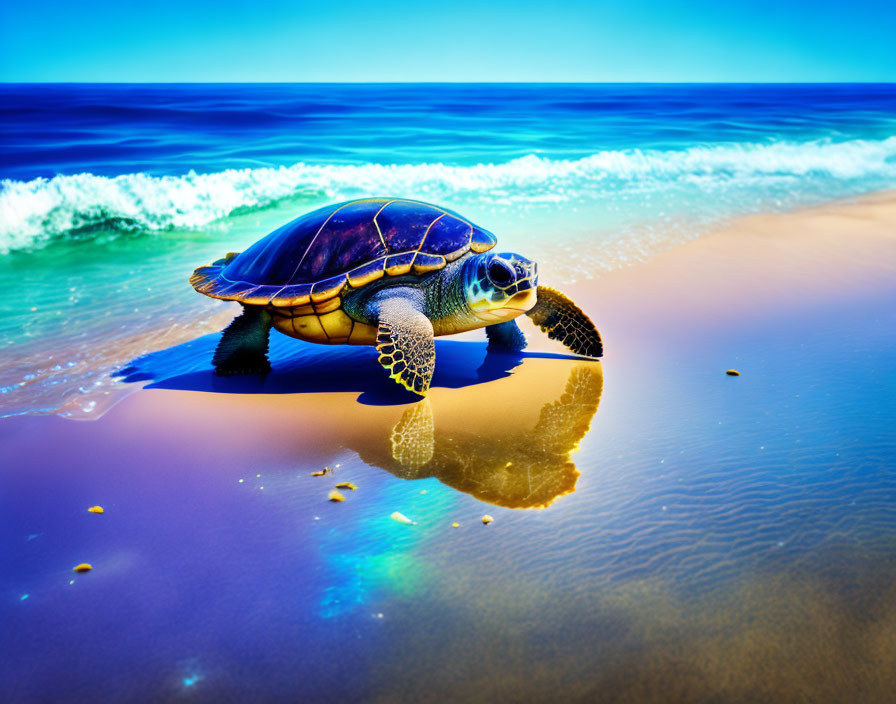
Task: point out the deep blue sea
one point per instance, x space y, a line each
110 195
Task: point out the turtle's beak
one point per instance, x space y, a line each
523 301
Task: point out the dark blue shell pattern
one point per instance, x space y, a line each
312 258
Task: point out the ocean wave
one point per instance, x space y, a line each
35 212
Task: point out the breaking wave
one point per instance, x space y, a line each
35 212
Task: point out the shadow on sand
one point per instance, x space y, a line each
509 443
300 367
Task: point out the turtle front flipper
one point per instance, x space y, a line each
405 343
243 348
565 322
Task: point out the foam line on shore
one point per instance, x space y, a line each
33 213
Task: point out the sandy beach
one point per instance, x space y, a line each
663 532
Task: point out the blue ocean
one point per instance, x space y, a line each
110 195
661 533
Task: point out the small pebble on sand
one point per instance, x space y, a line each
83 567
96 509
336 496
733 372
486 519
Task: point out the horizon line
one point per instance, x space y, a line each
680 83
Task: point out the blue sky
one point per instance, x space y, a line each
459 40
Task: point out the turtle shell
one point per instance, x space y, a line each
312 258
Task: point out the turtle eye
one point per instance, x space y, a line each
500 273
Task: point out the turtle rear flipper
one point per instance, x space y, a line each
226 259
564 321
243 348
405 343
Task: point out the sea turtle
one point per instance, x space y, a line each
388 272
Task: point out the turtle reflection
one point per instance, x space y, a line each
518 465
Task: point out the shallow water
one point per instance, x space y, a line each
711 539
111 195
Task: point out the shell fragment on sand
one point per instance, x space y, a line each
486 519
733 372
96 509
336 496
346 485
83 567
401 518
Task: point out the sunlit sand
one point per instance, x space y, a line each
692 535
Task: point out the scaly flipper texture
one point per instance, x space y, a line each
413 438
563 423
243 348
405 343
506 337
565 322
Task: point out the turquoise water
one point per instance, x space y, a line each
111 195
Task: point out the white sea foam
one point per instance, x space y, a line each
35 212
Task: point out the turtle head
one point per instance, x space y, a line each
500 287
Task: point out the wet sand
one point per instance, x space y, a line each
662 532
